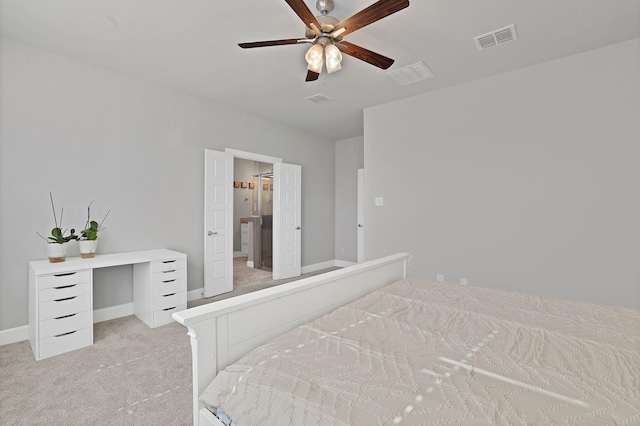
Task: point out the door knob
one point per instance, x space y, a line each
298 228
212 233
360 226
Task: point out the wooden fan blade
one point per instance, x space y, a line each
301 9
312 76
365 55
271 43
371 14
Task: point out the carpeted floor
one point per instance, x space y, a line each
131 375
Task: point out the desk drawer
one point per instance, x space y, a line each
164 316
168 265
56 326
172 274
61 308
64 279
171 300
170 286
56 345
64 292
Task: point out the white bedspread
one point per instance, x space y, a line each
422 353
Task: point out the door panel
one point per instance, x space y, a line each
287 223
218 227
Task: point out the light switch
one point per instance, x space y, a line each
379 201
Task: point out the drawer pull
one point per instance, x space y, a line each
66 316
66 298
168 261
167 295
65 334
168 272
65 286
168 309
66 274
169 281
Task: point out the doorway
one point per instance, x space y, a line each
253 214
218 221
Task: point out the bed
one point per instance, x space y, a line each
366 345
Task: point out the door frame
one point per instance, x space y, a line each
252 156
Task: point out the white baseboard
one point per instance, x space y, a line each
318 266
344 263
13 335
112 312
195 294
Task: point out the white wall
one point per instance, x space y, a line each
85 133
349 158
529 180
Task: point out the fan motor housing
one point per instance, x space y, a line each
327 24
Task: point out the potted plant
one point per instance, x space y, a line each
56 243
88 241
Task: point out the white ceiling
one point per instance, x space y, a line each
191 46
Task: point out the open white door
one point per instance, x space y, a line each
218 223
360 247
287 220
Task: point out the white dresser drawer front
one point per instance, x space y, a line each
164 317
55 326
57 293
164 302
170 286
61 308
168 265
64 279
56 345
172 274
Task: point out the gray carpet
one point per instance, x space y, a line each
131 375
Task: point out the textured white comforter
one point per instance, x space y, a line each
422 353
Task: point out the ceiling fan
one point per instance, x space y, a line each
325 33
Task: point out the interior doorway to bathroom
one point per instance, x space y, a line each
253 214
220 185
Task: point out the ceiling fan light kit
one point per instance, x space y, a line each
325 33
314 58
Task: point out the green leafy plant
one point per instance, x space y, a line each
91 227
57 234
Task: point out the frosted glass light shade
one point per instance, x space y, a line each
314 58
334 58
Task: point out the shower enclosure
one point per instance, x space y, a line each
263 208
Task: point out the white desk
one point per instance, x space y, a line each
61 296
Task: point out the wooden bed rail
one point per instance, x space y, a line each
222 332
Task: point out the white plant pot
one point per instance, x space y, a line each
87 248
56 252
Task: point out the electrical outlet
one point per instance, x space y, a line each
379 201
341 250
440 278
464 281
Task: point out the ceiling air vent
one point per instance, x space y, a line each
411 74
494 38
318 99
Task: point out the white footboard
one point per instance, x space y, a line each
222 332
